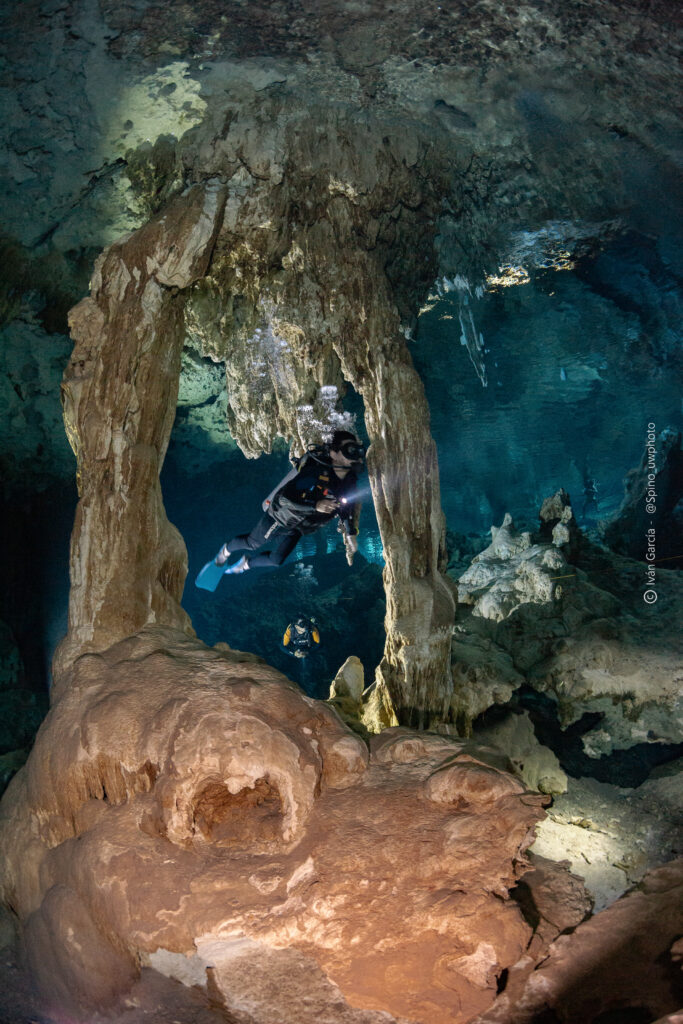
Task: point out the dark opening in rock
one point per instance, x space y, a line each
254 815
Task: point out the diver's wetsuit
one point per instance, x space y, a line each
292 513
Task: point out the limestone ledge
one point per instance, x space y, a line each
587 639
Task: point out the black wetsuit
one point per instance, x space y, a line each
292 513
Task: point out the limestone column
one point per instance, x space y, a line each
404 478
119 393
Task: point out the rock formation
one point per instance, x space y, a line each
361 167
612 836
537 765
579 632
128 564
304 305
284 190
189 809
512 572
648 524
589 648
620 963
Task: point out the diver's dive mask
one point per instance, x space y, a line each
353 451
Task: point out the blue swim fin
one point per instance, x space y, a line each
210 576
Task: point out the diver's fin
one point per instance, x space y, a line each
240 566
210 576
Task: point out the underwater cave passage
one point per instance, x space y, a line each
628 767
548 379
213 492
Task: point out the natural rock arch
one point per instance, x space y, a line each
325 297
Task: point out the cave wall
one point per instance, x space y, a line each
112 116
297 184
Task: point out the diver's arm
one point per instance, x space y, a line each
349 513
286 642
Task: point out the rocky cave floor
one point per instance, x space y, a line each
154 999
613 781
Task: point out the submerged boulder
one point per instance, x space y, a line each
620 965
536 764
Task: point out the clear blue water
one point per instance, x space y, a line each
250 612
578 363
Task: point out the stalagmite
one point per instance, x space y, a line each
320 199
128 563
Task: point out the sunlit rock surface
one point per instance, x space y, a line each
612 836
189 809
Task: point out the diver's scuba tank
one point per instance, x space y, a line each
317 452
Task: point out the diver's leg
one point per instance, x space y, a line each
304 677
272 559
264 529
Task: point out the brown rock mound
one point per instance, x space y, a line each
191 810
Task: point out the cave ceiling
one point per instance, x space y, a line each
368 159
272 198
533 107
447 140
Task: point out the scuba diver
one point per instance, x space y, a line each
322 485
301 637
590 498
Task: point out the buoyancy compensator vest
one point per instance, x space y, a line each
291 514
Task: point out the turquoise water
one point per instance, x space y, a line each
577 364
250 612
